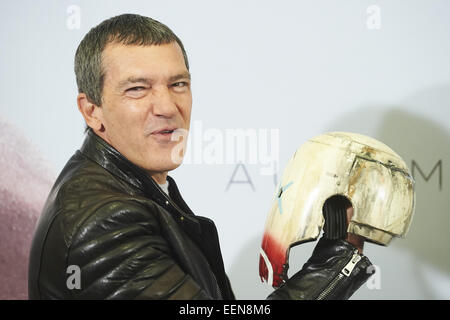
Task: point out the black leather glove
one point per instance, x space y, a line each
334 272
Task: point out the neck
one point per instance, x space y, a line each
160 177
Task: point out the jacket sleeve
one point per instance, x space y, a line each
122 255
334 272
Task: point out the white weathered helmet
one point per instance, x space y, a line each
370 174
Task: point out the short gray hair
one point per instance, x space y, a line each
128 29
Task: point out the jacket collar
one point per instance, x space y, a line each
330 248
99 151
105 155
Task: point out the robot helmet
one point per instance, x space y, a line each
368 173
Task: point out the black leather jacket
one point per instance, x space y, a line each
130 241
107 217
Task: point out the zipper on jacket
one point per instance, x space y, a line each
345 272
168 200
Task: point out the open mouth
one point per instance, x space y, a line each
165 135
164 131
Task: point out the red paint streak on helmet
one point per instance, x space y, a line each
276 253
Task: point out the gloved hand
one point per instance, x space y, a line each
337 267
334 271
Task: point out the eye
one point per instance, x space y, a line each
136 92
180 86
136 89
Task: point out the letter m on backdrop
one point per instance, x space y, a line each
438 165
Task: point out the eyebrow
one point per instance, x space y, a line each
132 79
184 75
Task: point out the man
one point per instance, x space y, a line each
115 225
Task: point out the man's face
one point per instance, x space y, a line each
146 102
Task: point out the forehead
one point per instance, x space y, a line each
165 60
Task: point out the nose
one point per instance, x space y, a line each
163 103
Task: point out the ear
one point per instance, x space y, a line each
92 114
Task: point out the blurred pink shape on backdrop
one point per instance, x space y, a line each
25 181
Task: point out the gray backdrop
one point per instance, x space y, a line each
273 73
